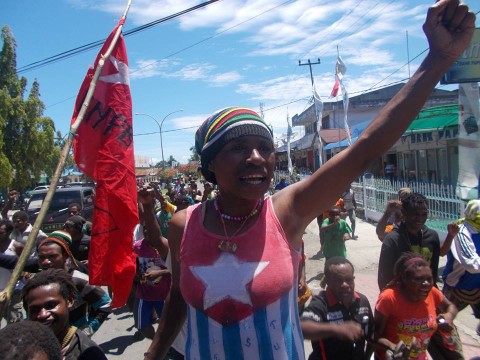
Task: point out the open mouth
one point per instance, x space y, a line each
253 179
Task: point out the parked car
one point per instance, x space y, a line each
57 213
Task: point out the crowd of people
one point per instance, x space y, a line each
222 270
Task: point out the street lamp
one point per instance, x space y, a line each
160 128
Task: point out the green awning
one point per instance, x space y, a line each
435 118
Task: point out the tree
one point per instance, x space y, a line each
26 136
194 154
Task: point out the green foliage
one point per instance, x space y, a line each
27 145
194 155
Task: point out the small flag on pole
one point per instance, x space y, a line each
318 103
103 150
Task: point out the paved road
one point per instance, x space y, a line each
117 338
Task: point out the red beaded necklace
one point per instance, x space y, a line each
228 245
255 210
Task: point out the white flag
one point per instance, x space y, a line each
318 114
289 135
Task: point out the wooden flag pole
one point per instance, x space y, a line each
6 294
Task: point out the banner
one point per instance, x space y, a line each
103 150
468 141
289 158
318 103
340 70
467 66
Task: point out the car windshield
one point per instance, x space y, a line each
60 201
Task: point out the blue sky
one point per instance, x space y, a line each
230 53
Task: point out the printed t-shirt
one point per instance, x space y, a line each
149 259
408 319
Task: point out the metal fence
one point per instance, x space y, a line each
372 194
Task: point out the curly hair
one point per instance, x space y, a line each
64 280
412 201
25 339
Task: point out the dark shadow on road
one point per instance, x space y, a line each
117 346
317 277
319 255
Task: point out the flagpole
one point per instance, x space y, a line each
6 294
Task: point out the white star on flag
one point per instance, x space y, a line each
235 276
119 78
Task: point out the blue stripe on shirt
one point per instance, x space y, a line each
263 335
232 347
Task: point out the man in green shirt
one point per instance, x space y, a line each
335 231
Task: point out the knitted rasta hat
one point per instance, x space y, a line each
62 239
223 126
61 235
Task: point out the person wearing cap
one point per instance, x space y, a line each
92 304
461 275
235 258
80 246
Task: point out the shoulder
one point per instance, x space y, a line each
430 234
437 295
316 308
88 349
363 298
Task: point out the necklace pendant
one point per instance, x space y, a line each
227 246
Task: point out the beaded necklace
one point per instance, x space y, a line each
257 207
228 245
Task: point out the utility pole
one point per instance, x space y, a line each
310 66
318 117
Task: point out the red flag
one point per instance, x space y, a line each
335 87
103 150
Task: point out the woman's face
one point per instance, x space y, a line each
244 166
417 284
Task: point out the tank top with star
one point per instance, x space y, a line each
242 304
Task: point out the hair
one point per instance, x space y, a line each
336 260
64 280
8 225
412 201
21 215
181 199
25 339
406 264
73 205
77 221
404 192
334 208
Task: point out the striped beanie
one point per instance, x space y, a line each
62 239
223 126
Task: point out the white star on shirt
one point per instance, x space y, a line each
227 278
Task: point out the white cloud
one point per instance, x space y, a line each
224 79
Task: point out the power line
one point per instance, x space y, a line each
98 43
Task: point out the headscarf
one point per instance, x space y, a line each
472 214
223 126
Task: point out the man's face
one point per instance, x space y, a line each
415 218
50 256
3 232
46 305
19 224
73 210
342 282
